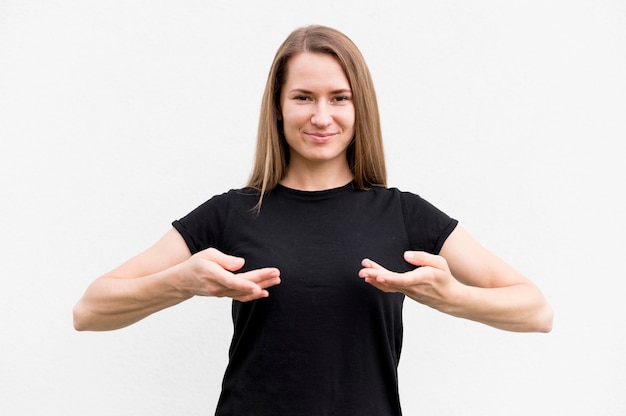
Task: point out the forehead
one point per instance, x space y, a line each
315 69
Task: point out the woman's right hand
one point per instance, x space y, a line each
212 273
165 275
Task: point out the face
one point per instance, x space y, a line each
317 110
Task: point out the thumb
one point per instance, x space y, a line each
228 262
416 258
423 258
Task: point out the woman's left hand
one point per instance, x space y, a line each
431 283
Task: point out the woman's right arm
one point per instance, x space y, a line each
163 276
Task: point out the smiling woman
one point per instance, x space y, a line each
365 154
317 253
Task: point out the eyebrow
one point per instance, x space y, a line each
305 91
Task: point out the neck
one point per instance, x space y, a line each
316 178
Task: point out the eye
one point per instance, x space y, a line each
301 98
342 98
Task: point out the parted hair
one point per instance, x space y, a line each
365 153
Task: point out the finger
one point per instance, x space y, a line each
374 274
371 264
246 297
267 283
249 298
251 283
231 281
228 262
264 280
380 285
371 269
397 281
260 275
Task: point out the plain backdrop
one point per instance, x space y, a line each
117 117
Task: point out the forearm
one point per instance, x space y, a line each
520 307
112 303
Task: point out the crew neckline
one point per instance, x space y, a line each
316 194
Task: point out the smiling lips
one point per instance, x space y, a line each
320 137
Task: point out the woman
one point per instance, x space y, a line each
317 253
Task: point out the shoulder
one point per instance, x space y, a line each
204 226
427 226
410 199
219 205
415 207
401 196
391 199
231 197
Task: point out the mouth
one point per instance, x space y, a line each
320 137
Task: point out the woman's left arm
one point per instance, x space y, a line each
467 281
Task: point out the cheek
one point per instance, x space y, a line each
291 124
293 118
348 119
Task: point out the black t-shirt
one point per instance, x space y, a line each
324 342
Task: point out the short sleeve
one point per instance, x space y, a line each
427 226
203 227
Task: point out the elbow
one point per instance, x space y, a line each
538 319
544 319
85 318
79 315
548 321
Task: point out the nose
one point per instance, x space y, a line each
322 115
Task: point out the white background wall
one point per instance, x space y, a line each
117 117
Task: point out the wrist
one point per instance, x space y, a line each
176 280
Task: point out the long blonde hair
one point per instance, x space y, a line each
365 153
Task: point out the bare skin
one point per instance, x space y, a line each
163 276
467 281
464 280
